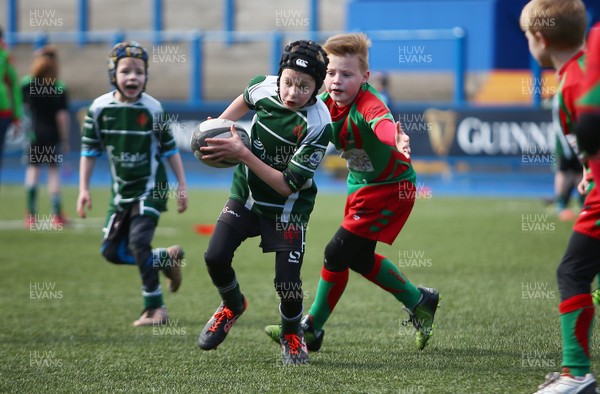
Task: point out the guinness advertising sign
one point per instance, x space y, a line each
493 132
434 133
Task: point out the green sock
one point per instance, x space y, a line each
387 276
329 291
31 199
153 301
232 296
56 204
576 321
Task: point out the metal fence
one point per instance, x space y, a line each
276 40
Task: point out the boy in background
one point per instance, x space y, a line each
11 102
46 99
555 31
123 123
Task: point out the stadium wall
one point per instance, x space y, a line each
494 38
491 152
436 134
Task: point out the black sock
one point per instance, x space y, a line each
232 296
290 325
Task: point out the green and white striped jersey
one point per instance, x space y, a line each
293 140
135 137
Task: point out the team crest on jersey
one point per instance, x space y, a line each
298 131
315 158
142 119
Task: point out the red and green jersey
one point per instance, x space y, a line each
286 140
369 160
588 221
589 99
11 102
565 112
135 136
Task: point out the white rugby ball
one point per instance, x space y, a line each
215 128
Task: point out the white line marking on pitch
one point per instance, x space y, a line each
76 224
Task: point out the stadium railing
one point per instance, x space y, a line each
196 39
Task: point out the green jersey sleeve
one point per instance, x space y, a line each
308 155
15 88
254 84
91 143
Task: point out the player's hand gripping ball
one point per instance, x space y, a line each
215 128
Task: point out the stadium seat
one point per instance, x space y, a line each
512 87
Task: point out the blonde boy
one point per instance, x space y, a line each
381 193
555 34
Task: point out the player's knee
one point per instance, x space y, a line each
215 258
139 246
110 253
570 283
138 243
564 274
140 235
361 266
335 260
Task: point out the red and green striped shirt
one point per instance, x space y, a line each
569 89
589 99
369 160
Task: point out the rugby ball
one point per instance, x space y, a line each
215 128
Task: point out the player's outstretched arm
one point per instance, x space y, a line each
177 167
402 141
391 134
236 109
86 167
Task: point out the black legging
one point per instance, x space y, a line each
579 266
219 257
347 250
135 245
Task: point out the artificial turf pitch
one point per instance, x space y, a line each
67 314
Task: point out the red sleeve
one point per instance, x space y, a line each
385 130
589 101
